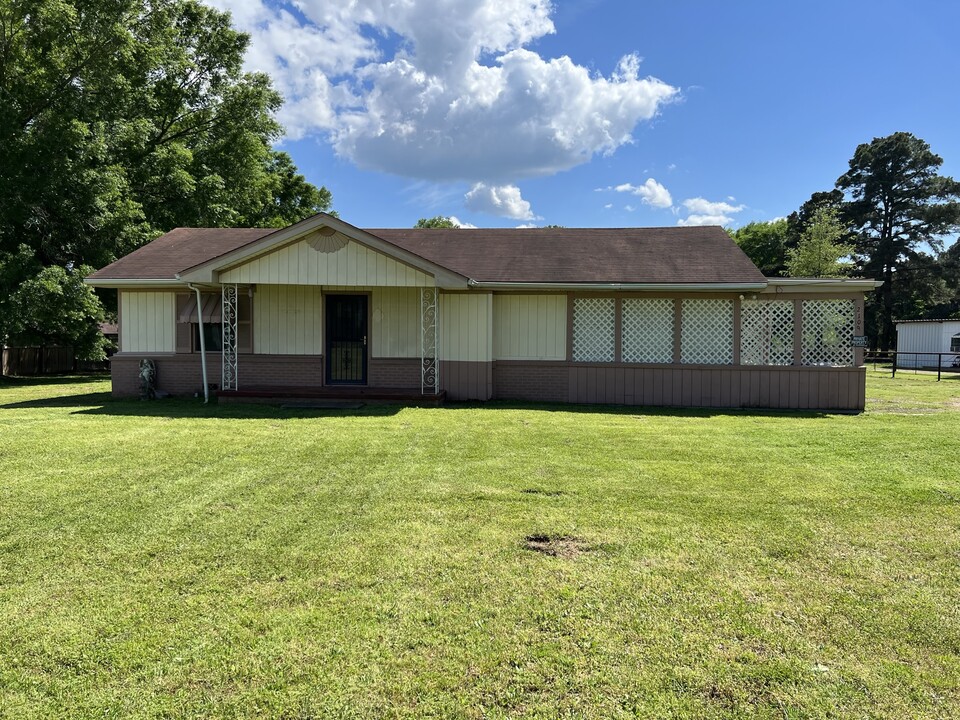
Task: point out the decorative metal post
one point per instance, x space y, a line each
228 379
429 341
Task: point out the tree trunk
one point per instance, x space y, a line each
887 329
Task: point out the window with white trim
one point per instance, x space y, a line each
212 327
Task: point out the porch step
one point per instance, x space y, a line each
301 396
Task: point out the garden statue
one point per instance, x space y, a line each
148 379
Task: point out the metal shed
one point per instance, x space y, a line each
925 343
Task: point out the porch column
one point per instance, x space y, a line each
429 341
228 376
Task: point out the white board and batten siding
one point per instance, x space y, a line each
395 320
353 265
148 322
288 320
530 327
925 337
466 327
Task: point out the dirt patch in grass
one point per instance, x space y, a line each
562 546
542 491
908 406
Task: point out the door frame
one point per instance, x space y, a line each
369 320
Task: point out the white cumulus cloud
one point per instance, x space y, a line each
651 192
443 90
692 220
701 206
503 201
706 212
461 224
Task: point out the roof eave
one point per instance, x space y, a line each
608 287
827 284
152 283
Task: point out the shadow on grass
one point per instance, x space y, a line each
640 410
6 381
103 404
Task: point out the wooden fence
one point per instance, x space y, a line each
37 360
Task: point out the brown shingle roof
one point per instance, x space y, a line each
177 250
548 255
583 255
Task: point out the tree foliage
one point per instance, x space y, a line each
896 204
798 221
121 119
55 307
820 252
440 221
765 243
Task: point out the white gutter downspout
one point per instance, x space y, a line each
203 344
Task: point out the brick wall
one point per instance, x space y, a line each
394 373
180 374
530 380
176 374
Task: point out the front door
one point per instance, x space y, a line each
346 330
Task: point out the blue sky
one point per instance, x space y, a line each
511 112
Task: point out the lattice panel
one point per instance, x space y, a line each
706 332
647 330
593 329
766 332
828 332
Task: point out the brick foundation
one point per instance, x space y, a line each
788 387
394 373
180 374
532 381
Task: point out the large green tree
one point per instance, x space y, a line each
121 119
897 204
765 243
439 221
799 220
55 307
820 252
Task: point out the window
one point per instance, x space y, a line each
212 336
955 344
188 322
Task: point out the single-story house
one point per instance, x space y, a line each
925 343
639 316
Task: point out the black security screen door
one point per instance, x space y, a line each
346 339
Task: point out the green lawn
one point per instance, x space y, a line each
168 559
